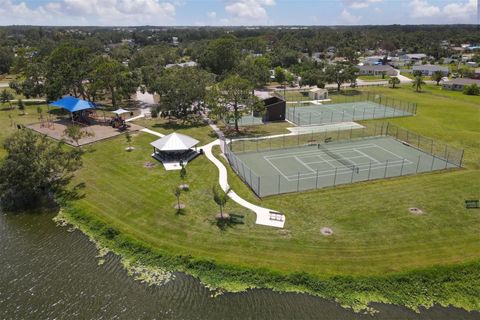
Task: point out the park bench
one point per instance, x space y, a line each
237 218
276 216
472 204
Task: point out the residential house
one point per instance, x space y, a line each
429 69
377 70
459 84
182 65
412 57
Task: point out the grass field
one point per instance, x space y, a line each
374 234
373 78
367 231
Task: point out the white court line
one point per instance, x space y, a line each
333 159
290 154
394 154
292 178
275 167
304 164
366 155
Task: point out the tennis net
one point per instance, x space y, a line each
347 163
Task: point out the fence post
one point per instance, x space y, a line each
386 166
353 171
369 169
418 163
433 161
259 187
331 118
363 118
461 158
353 117
278 184
298 181
401 170
335 177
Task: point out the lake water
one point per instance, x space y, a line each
47 272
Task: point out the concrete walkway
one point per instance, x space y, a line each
155 133
402 78
263 214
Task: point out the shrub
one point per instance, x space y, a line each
472 90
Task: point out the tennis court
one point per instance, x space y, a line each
315 114
318 165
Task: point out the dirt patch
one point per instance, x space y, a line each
149 165
179 206
184 187
326 231
415 211
285 233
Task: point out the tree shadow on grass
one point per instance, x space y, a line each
173 125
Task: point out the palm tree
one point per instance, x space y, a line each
418 82
393 82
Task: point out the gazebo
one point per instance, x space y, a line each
76 107
174 150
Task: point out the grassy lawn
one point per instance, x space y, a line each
374 78
374 234
269 128
371 237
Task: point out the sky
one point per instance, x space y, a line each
236 12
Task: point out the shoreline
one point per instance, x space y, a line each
445 286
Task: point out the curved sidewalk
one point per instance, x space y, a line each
263 214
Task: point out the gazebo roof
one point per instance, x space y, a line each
174 142
73 104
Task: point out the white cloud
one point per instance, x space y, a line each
89 12
349 18
247 10
460 12
422 9
212 15
359 4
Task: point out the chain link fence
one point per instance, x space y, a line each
431 155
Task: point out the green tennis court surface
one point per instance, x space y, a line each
323 165
314 114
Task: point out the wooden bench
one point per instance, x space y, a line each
276 216
237 218
472 204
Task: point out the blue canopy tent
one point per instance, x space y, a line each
72 104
